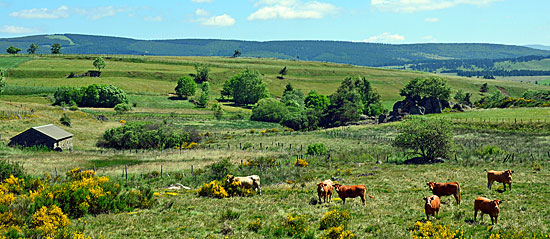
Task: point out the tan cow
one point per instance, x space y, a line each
504 177
351 192
432 205
324 190
488 206
252 181
444 189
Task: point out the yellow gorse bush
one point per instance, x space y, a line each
301 163
295 224
335 218
338 232
213 189
430 231
49 219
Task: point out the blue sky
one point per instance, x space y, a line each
388 21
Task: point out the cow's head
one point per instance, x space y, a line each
431 185
337 187
321 186
496 205
230 178
508 173
428 199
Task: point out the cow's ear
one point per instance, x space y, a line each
425 198
499 202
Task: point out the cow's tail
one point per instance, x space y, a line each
370 196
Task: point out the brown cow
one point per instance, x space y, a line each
485 205
432 205
351 192
504 177
324 190
444 189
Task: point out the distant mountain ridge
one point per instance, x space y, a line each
539 47
365 54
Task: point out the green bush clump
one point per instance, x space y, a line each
145 135
122 107
269 110
11 168
316 149
91 96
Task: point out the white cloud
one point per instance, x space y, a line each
42 13
218 21
16 30
385 38
101 12
153 19
432 19
201 12
202 1
410 6
291 9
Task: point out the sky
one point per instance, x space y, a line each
514 22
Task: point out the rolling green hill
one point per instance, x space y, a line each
365 54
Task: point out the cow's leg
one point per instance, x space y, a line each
329 197
363 199
475 215
489 184
457 198
482 216
496 219
436 212
504 184
510 184
343 201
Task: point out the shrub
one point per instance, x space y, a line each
213 189
218 111
246 88
427 87
91 96
2 81
316 149
122 108
219 170
65 120
48 219
255 225
316 101
235 188
8 169
429 230
430 138
145 135
335 218
303 120
186 87
203 73
300 163
488 151
269 110
205 94
338 232
295 224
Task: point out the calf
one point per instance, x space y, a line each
444 189
432 205
252 181
324 190
485 205
351 192
504 177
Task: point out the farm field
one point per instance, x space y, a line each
499 139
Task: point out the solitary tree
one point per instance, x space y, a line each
2 80
56 48
283 72
99 63
205 93
248 87
203 73
32 48
428 137
13 50
237 53
186 87
484 88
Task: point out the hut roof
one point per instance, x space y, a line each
53 131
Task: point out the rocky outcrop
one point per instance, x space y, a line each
414 106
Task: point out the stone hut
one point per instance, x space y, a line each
49 135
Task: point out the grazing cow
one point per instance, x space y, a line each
485 205
444 189
252 181
504 177
351 192
324 190
432 205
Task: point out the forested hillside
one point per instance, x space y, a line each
366 54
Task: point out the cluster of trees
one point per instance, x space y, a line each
91 96
354 97
245 88
420 88
146 135
187 87
55 49
489 73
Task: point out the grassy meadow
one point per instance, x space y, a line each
499 139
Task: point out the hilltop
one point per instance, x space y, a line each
356 53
